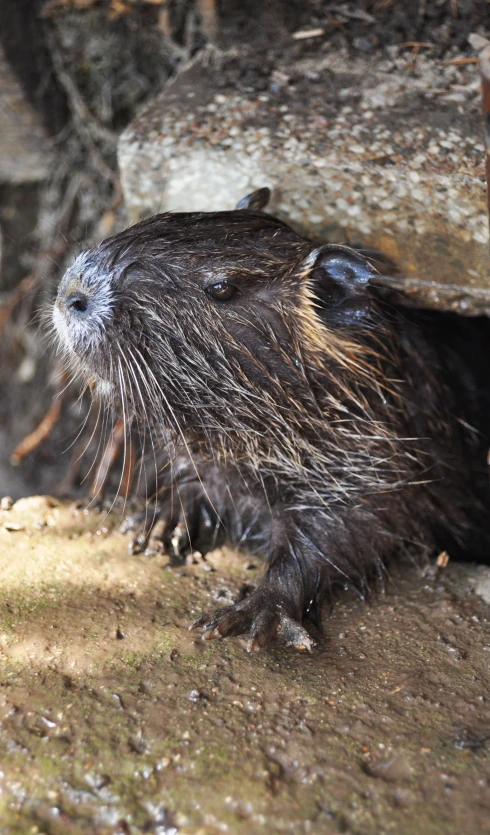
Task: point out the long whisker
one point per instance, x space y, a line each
147 426
179 430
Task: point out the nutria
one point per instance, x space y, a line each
307 415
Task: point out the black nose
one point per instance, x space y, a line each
77 302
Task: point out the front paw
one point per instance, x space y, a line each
184 521
262 615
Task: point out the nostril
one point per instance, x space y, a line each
77 302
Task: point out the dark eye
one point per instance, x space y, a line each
221 291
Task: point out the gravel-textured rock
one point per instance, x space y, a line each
354 150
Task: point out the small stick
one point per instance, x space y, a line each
41 432
413 60
303 34
413 44
457 62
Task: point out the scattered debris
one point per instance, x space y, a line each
478 42
13 526
442 560
302 34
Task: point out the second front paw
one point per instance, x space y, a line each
183 521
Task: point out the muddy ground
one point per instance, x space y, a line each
116 719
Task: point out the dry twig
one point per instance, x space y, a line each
44 428
88 127
459 62
415 46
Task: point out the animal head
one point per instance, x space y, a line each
210 320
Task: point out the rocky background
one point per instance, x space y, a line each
364 120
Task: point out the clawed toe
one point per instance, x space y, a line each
209 622
292 634
262 620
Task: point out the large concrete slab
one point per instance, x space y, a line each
368 152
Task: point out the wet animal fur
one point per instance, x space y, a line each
306 417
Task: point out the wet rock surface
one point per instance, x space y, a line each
387 154
114 718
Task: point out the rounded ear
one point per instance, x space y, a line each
339 277
256 201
